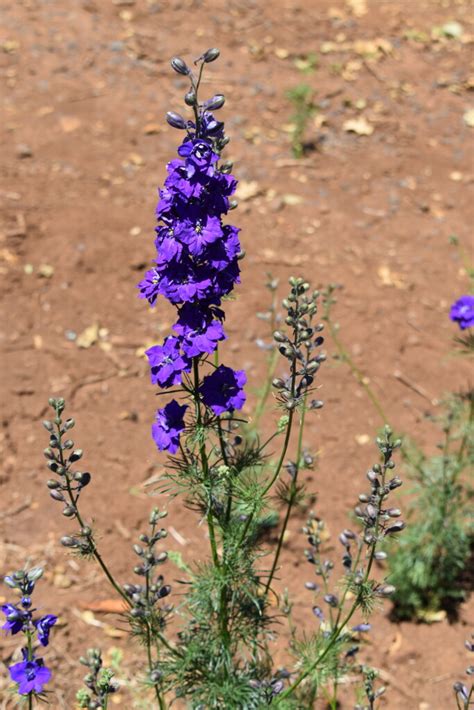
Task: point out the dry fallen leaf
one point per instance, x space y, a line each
391 278
105 606
291 200
358 7
358 125
248 190
69 123
469 118
88 337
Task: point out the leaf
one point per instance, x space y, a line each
429 616
358 125
88 337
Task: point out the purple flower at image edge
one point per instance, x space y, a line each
15 618
31 675
168 426
222 391
462 312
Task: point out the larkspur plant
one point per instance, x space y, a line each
30 674
221 656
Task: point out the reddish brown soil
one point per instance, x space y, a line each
83 86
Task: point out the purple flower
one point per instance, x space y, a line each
149 286
31 675
198 329
16 618
462 312
199 233
43 627
168 426
362 628
199 156
222 390
167 363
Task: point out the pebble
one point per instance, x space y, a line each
23 151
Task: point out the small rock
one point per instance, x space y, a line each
23 151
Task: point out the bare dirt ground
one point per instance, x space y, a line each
85 86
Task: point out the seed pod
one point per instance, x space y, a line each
48 425
395 528
179 66
175 120
68 541
138 550
57 495
190 98
380 555
311 585
48 454
69 511
164 591
210 55
76 455
52 484
394 512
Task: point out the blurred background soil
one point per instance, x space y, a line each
385 180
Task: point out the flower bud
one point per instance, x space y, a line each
190 98
179 66
175 120
215 103
211 55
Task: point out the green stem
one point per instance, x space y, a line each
358 374
30 658
293 492
272 363
223 615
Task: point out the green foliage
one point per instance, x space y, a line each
302 98
428 561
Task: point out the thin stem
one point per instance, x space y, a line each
466 433
30 658
358 374
259 409
293 492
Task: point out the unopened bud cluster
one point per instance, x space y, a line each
297 345
143 597
66 489
98 682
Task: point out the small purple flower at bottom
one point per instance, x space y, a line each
43 627
31 675
462 312
168 426
222 391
